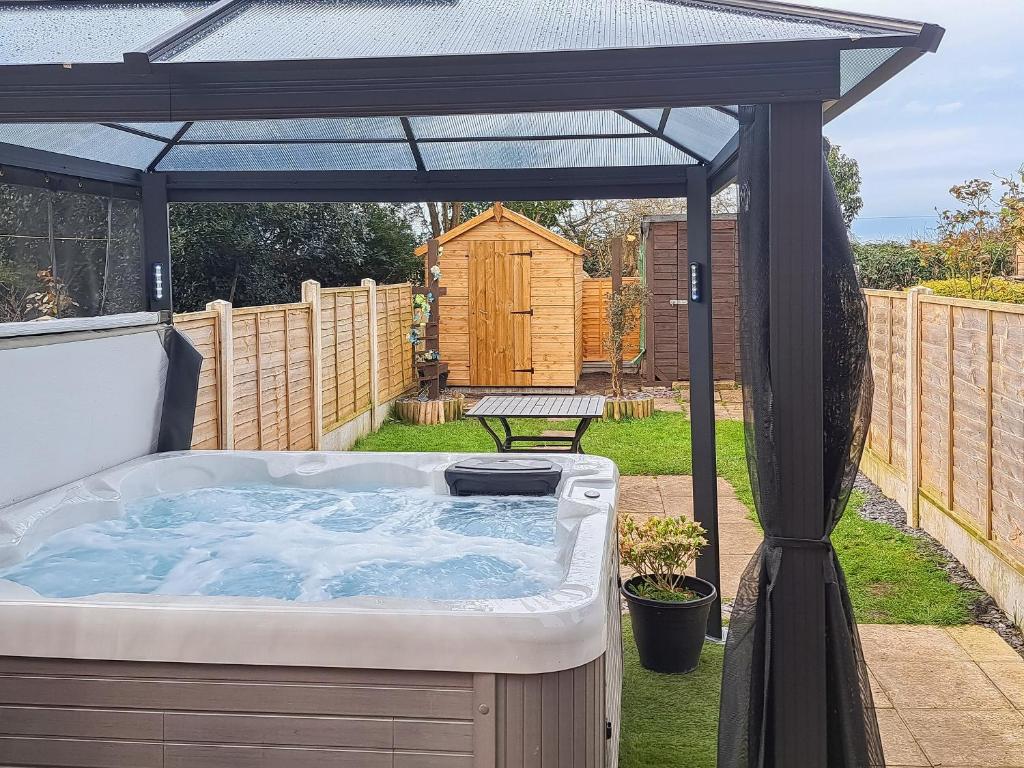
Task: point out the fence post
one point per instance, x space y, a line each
226 369
912 381
311 296
371 286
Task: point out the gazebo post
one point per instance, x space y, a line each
797 713
702 381
156 241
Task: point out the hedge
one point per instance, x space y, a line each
1000 289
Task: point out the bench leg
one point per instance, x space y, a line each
508 432
581 428
502 447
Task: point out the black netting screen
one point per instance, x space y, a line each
68 254
746 739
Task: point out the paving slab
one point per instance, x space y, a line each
982 644
956 690
953 737
1008 677
958 685
897 642
899 744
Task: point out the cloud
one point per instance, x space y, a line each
945 109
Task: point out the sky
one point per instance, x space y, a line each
951 116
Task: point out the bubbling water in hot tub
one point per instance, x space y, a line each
299 544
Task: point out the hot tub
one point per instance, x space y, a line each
297 658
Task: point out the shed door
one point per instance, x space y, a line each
500 312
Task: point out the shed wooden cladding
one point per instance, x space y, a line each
968 407
596 293
668 277
497 267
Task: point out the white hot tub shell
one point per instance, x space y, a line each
135 679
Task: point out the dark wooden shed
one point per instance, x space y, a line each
667 274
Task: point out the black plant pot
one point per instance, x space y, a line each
669 636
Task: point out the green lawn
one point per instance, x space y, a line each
669 721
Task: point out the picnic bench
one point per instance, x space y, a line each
586 408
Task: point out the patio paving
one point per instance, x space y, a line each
949 697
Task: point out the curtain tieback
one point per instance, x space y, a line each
786 542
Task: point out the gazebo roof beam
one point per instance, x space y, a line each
410 137
430 85
17 156
435 186
168 147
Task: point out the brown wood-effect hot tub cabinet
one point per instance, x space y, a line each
668 277
115 714
513 312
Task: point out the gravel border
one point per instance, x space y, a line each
984 610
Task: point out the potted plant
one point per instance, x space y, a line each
668 610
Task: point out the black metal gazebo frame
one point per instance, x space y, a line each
798 79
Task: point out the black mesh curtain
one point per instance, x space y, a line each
745 737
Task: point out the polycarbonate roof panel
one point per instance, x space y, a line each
525 124
58 33
855 65
702 129
340 29
569 153
269 131
289 157
85 140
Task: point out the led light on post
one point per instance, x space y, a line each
696 283
158 282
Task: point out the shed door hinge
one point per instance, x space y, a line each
522 370
523 253
522 312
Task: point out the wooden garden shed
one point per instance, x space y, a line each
512 314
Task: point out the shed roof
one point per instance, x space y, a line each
500 213
420 85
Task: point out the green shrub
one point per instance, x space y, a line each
999 289
890 265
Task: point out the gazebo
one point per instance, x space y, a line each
413 100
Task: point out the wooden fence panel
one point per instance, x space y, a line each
203 330
394 320
887 329
273 377
970 414
345 340
1007 427
596 293
935 404
261 365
